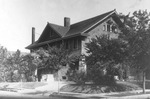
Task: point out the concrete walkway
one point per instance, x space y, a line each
43 90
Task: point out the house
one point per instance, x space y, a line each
74 36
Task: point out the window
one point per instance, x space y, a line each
108 28
104 27
64 77
114 29
67 45
75 43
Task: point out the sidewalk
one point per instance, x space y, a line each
43 90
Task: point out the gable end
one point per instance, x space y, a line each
100 21
48 34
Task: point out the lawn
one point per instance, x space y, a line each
95 89
20 85
32 85
147 83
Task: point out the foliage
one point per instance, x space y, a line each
99 74
54 58
16 67
137 34
107 50
77 76
98 89
3 67
104 54
13 63
28 67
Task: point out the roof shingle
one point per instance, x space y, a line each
59 29
83 25
74 29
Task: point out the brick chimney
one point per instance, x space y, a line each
33 35
66 22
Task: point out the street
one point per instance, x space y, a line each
14 95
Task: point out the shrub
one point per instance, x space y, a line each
104 80
99 75
77 76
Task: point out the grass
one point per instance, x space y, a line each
147 83
32 85
95 89
19 85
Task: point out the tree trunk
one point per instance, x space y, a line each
11 76
4 76
144 82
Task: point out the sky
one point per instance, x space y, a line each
17 17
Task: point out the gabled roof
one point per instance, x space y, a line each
84 25
59 29
78 28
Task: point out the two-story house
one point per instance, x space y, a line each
76 35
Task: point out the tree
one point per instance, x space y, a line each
13 63
28 67
54 58
3 66
21 67
137 34
13 66
105 54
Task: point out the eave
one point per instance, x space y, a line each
32 46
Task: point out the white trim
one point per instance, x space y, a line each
99 21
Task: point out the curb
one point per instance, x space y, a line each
133 95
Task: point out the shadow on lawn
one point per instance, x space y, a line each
140 83
95 89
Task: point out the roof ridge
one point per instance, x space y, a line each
54 24
95 16
61 30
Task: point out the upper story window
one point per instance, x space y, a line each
114 29
104 27
108 27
